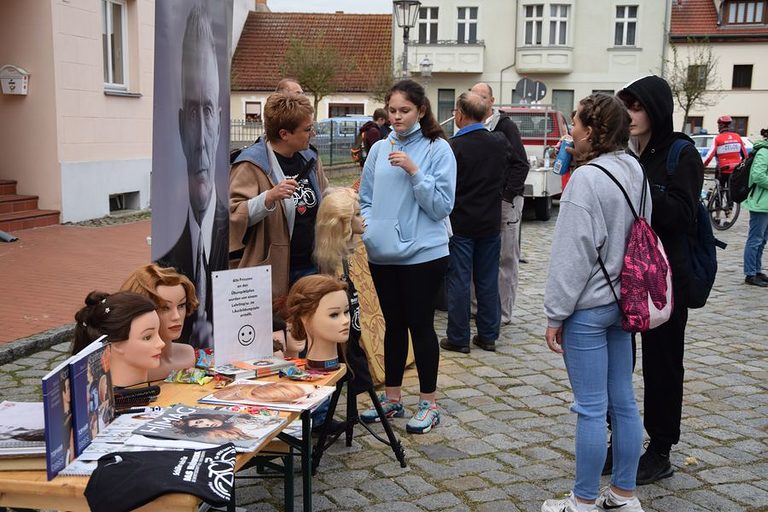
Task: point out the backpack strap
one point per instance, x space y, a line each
623 191
673 157
634 213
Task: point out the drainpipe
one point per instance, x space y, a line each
514 59
665 42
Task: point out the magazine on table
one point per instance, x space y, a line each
22 429
251 368
286 396
93 403
215 427
57 412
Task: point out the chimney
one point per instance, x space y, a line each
261 6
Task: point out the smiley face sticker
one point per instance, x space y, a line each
246 335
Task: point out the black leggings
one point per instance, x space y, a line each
407 295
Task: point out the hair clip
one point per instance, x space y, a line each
106 310
104 300
84 324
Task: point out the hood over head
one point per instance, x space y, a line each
655 96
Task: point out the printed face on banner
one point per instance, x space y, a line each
199 117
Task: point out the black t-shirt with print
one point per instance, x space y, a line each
305 202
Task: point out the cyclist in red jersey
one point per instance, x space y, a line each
728 148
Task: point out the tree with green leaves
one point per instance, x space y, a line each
693 78
318 68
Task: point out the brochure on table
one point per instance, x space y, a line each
22 429
57 411
285 396
242 311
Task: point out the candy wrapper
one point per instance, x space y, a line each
294 373
189 376
204 358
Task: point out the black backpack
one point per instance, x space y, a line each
739 183
700 247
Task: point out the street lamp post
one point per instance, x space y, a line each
406 13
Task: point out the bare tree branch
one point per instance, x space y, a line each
318 68
693 78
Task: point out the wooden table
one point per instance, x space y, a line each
31 489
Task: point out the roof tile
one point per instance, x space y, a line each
698 18
364 39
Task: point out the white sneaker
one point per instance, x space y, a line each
609 501
566 505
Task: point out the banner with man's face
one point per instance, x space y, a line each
190 148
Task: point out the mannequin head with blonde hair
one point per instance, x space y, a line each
338 221
174 296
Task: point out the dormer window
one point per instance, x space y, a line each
744 12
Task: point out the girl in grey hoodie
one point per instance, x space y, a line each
584 320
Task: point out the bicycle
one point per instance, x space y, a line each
723 211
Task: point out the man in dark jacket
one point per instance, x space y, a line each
674 196
512 200
475 220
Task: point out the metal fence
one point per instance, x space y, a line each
334 139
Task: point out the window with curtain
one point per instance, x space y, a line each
114 45
742 13
625 25
427 25
558 24
534 20
467 25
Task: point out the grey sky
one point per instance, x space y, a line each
349 6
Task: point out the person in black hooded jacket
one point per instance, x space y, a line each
650 105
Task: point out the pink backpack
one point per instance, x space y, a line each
646 277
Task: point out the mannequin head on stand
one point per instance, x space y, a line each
317 308
338 221
132 327
174 297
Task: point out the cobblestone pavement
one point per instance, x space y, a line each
506 439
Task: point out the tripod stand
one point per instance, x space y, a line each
328 437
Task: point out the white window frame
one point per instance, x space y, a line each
625 21
468 22
746 13
106 27
535 21
558 24
430 23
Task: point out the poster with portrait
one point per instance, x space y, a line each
190 143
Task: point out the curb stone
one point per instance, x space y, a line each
24 347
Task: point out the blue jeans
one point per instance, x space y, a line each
753 248
598 357
473 259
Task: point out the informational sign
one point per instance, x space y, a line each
242 305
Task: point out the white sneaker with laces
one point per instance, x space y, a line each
566 505
609 501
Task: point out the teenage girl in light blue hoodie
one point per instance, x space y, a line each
406 193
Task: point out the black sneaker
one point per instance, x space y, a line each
755 281
608 466
762 276
652 467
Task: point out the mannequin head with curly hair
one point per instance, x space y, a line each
338 221
317 308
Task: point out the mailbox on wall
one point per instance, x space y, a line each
14 80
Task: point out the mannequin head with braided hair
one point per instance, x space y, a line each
317 308
131 324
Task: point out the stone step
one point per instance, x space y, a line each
10 203
16 221
7 187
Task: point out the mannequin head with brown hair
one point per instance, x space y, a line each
338 221
174 297
132 327
317 308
